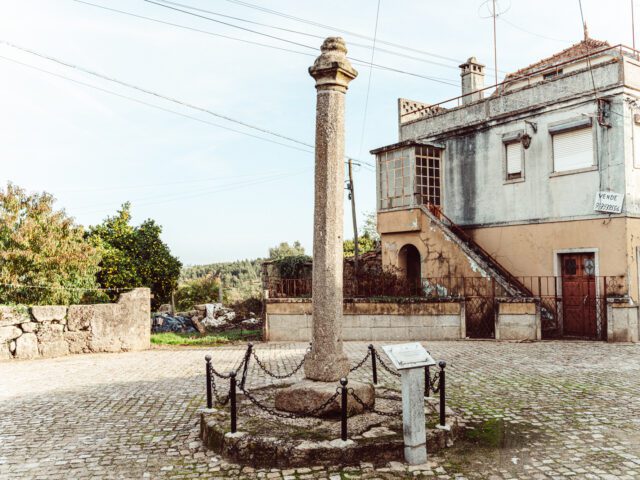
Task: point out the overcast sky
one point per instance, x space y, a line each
222 195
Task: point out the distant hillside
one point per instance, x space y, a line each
241 279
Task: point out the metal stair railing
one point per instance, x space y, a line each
493 263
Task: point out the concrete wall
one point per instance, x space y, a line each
364 321
518 321
622 322
53 331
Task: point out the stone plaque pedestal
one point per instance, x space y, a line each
413 419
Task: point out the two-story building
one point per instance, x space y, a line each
532 185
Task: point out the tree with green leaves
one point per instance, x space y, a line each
286 250
44 257
135 256
365 244
371 227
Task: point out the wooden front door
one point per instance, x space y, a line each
579 295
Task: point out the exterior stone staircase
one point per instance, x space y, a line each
489 265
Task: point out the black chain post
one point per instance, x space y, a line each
343 430
232 396
374 367
209 398
442 364
427 381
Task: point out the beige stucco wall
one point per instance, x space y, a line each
363 321
440 257
524 250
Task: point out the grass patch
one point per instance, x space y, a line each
195 339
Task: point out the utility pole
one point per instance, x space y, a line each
495 48
352 197
633 27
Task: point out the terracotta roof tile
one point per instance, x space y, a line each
579 49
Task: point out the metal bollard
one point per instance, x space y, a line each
343 429
232 399
442 364
374 367
427 381
209 398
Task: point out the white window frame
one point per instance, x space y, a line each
509 139
578 123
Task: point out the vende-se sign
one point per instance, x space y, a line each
608 202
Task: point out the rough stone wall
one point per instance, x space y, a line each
57 330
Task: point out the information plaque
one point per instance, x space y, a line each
408 355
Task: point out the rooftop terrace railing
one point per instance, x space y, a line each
619 49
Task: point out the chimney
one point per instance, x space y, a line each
472 74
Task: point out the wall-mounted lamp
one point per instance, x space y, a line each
525 139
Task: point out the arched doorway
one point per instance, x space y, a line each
409 264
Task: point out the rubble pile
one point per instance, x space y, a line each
207 318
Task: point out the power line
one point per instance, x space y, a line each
586 42
142 102
384 67
366 101
203 193
517 27
230 24
155 94
153 185
202 189
298 32
193 29
274 47
356 162
336 29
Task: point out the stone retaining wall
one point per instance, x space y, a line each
53 331
290 320
623 324
518 320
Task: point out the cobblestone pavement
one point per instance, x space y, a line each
539 410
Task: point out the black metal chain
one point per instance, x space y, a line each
435 382
228 375
219 400
291 415
275 375
372 409
361 363
385 366
245 365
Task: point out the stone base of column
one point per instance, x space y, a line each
307 395
323 367
415 455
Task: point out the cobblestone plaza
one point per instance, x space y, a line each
537 410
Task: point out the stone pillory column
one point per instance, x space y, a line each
332 72
327 363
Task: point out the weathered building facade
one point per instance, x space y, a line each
521 185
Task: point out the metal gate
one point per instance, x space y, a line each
480 316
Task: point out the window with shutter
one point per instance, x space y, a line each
514 160
573 150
